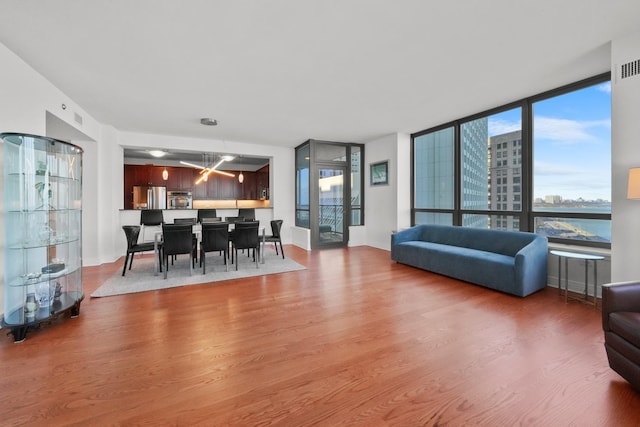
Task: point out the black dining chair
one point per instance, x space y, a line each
215 237
249 214
150 217
276 226
245 236
178 239
206 213
210 220
234 219
133 232
191 221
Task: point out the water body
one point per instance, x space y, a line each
599 230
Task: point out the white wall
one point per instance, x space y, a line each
387 207
625 136
30 104
281 170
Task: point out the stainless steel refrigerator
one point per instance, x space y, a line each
149 197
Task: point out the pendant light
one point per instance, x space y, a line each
165 174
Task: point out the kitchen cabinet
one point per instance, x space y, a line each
156 175
187 178
43 234
227 189
217 187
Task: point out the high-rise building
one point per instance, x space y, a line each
475 170
505 178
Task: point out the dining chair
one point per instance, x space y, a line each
132 232
215 237
150 217
234 219
245 236
249 214
178 239
191 221
211 220
206 213
276 226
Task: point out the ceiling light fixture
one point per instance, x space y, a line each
208 121
205 171
165 174
157 153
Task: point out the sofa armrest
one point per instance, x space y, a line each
406 235
621 296
531 265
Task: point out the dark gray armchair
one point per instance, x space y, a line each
621 324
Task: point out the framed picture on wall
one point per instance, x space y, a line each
379 173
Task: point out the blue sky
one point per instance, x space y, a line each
572 143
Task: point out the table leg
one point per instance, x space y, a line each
262 247
595 283
559 275
156 265
566 280
586 279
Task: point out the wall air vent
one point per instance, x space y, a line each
630 69
78 118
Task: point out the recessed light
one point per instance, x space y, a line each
157 153
227 158
208 121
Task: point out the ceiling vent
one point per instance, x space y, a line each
630 69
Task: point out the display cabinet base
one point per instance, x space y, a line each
69 303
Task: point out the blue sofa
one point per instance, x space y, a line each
509 261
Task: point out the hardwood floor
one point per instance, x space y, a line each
353 340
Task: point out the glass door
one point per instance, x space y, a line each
332 227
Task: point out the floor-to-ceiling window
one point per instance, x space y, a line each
329 190
541 164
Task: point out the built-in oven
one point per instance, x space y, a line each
179 200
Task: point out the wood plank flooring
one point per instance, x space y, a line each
354 340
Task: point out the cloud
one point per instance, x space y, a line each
500 126
571 181
604 87
551 169
567 131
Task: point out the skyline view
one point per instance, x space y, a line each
572 143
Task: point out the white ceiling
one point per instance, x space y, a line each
283 71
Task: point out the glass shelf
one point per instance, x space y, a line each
43 218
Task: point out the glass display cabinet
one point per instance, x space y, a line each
42 219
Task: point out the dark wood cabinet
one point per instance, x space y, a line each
156 176
217 187
226 187
247 189
188 177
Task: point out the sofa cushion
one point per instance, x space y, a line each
625 324
466 264
496 241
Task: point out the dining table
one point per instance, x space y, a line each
197 231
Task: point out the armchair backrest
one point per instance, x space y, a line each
206 213
177 239
245 235
132 232
215 236
184 221
151 217
276 225
249 214
234 219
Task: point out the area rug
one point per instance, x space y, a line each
141 278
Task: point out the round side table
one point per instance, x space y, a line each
586 257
